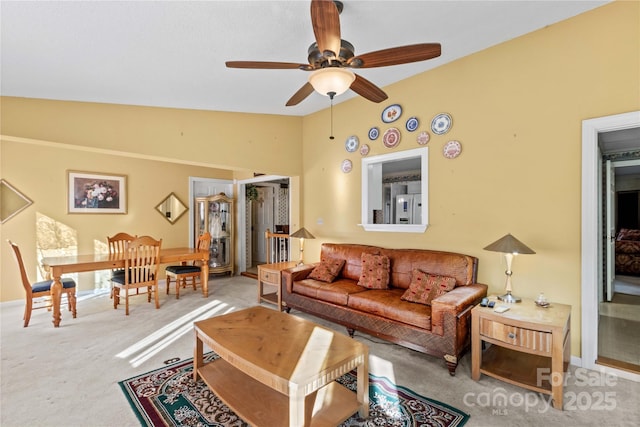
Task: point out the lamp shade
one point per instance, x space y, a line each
331 80
302 234
509 245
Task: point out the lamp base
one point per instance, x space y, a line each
508 298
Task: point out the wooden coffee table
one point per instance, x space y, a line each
276 369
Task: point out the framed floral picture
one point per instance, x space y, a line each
96 193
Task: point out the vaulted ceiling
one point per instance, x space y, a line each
173 53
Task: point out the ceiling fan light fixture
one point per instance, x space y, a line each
331 79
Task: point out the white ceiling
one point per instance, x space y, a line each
172 53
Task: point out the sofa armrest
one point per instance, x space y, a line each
294 274
453 303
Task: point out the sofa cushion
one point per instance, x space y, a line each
387 303
375 271
337 292
425 287
352 253
628 234
327 270
628 247
402 261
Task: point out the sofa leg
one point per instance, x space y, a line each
351 331
452 363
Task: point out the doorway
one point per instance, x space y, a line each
599 136
268 208
262 218
619 308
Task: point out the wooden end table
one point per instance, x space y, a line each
276 369
531 345
271 274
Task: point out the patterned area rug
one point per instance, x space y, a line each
169 397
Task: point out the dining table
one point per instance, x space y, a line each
58 265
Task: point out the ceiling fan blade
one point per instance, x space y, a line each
325 19
300 95
396 55
267 65
366 89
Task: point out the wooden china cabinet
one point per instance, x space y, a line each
215 214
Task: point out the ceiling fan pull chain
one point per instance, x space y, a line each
331 95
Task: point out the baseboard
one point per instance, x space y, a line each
576 361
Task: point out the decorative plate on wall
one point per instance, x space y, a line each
441 124
412 124
423 137
391 113
391 137
452 149
364 150
352 143
374 132
346 166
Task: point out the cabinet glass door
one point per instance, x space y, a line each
218 224
214 214
201 218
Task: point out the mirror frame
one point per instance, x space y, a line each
423 154
164 212
5 186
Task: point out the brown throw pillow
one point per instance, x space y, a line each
327 270
375 271
425 287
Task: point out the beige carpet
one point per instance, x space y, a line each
69 376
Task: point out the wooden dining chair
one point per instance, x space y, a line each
42 289
142 256
117 244
180 273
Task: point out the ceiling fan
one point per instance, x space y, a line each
330 58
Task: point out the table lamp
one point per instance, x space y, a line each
302 234
509 246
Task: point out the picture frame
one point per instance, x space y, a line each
96 193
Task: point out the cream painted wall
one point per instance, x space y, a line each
206 138
517 110
29 168
157 148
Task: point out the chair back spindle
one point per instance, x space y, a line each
118 246
142 263
142 260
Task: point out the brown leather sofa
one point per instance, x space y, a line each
442 329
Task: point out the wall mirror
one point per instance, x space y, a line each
395 191
12 201
171 208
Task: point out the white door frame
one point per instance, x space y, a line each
592 245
